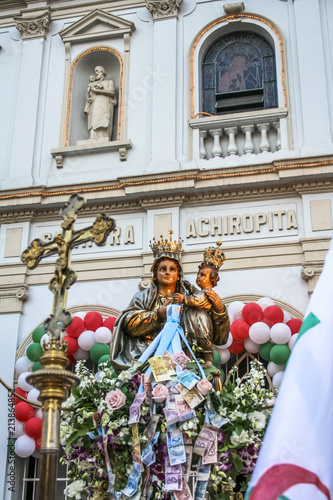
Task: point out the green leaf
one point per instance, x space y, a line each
238 429
238 464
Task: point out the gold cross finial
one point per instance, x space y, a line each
62 244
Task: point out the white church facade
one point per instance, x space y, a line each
219 125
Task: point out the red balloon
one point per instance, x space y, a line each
109 323
24 411
93 320
252 313
20 392
71 360
76 327
273 315
33 428
38 443
294 325
240 329
237 346
72 344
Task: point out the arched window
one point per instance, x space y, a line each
239 74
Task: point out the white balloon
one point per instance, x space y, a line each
292 341
286 316
33 395
22 383
277 379
24 446
23 364
80 354
280 333
251 346
273 368
259 332
39 413
228 343
235 309
103 335
225 355
19 429
265 302
86 340
45 338
80 314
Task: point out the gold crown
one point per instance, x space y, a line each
214 255
166 248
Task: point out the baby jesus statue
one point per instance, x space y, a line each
196 321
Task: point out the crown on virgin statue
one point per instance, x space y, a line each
214 256
166 248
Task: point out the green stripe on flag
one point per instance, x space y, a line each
310 321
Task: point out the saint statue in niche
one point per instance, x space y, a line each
100 102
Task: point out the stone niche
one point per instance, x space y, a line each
78 129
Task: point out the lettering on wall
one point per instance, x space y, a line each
232 226
118 236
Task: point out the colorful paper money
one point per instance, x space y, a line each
180 359
159 369
192 396
135 408
188 379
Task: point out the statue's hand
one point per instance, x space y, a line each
178 298
215 300
162 311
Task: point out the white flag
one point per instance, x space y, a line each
296 458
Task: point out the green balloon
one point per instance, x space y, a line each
38 334
217 359
105 359
37 366
280 354
99 350
265 350
34 351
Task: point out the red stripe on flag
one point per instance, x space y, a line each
279 478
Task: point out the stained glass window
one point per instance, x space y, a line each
238 74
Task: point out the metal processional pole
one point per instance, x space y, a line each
53 381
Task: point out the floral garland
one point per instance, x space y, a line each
102 408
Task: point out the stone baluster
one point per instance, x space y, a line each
217 149
276 125
202 146
264 143
232 146
248 144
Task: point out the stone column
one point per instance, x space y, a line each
264 143
164 98
232 146
33 27
217 149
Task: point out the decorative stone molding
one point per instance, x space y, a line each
311 274
120 146
234 9
162 9
35 26
144 283
12 298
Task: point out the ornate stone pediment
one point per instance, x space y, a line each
97 25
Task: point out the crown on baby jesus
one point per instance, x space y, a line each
166 247
214 255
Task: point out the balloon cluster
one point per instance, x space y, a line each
88 336
261 327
